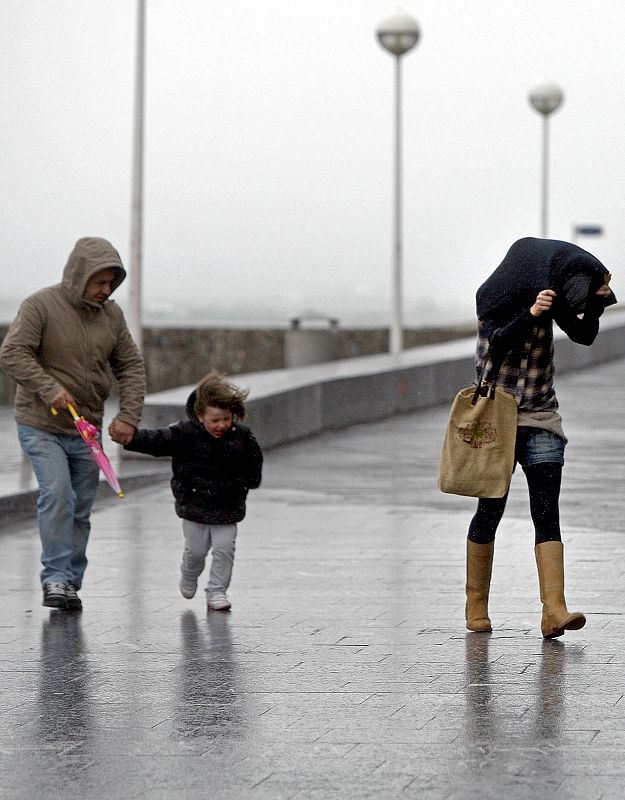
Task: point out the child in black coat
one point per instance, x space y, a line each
215 461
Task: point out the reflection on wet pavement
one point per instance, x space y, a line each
344 670
207 700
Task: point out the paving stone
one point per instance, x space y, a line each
344 669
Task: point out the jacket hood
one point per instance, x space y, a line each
90 255
531 265
190 408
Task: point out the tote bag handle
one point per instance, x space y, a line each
482 390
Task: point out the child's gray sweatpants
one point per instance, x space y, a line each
198 540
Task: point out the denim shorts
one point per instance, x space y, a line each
538 446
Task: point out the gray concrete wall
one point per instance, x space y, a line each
286 405
610 344
180 356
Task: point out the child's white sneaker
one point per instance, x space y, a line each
188 587
218 602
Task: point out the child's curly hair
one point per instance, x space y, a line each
215 390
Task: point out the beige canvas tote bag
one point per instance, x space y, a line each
477 459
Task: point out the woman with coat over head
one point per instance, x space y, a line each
538 282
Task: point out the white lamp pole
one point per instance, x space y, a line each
136 211
397 34
545 98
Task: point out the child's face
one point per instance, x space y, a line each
217 421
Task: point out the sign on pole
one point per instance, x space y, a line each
588 230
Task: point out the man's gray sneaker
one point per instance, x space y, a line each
55 595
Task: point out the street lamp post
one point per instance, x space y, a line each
397 34
545 98
136 209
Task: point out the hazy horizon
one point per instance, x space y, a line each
192 314
269 148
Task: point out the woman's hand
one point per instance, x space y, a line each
604 291
544 301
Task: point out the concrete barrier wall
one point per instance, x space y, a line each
332 403
289 404
610 344
181 356
286 405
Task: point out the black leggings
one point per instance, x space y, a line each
543 482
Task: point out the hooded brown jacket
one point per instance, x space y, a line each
61 341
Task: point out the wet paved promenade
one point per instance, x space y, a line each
344 669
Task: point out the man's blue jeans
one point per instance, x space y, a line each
68 480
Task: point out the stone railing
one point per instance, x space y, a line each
290 404
180 356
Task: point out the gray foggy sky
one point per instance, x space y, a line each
269 147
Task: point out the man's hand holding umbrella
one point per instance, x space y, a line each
120 432
89 435
61 399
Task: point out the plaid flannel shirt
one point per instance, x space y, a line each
527 369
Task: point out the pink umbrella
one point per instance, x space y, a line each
89 434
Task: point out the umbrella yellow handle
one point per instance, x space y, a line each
71 410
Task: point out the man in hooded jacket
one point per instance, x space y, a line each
61 348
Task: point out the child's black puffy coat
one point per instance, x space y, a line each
211 477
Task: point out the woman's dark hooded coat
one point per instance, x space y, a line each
532 265
504 300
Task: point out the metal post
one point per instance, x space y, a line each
545 182
136 215
397 34
396 332
545 99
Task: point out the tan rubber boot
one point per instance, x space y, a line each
479 568
556 616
